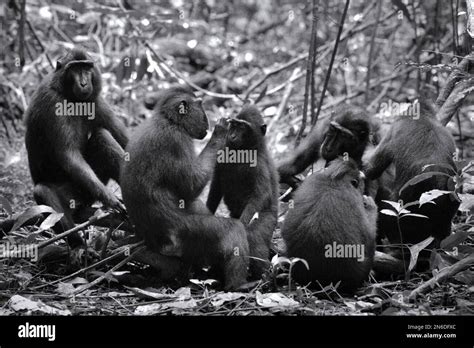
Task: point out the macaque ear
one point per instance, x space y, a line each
58 65
263 129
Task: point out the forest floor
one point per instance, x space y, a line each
46 287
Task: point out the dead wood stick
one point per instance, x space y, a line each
106 274
443 275
116 253
454 101
453 79
284 102
355 29
93 219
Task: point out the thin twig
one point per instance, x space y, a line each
284 102
274 71
461 135
359 91
371 51
116 253
313 69
179 76
21 33
417 43
443 275
79 227
267 27
309 74
103 251
379 96
333 56
106 274
354 29
32 29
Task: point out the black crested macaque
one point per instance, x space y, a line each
74 141
163 179
411 144
332 226
350 132
250 187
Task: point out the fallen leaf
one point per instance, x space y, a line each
275 299
221 298
22 304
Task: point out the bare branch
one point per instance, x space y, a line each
453 79
333 56
309 74
371 51
454 101
442 276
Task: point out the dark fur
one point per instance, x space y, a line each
324 140
248 190
409 145
328 208
336 143
331 142
161 184
64 162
